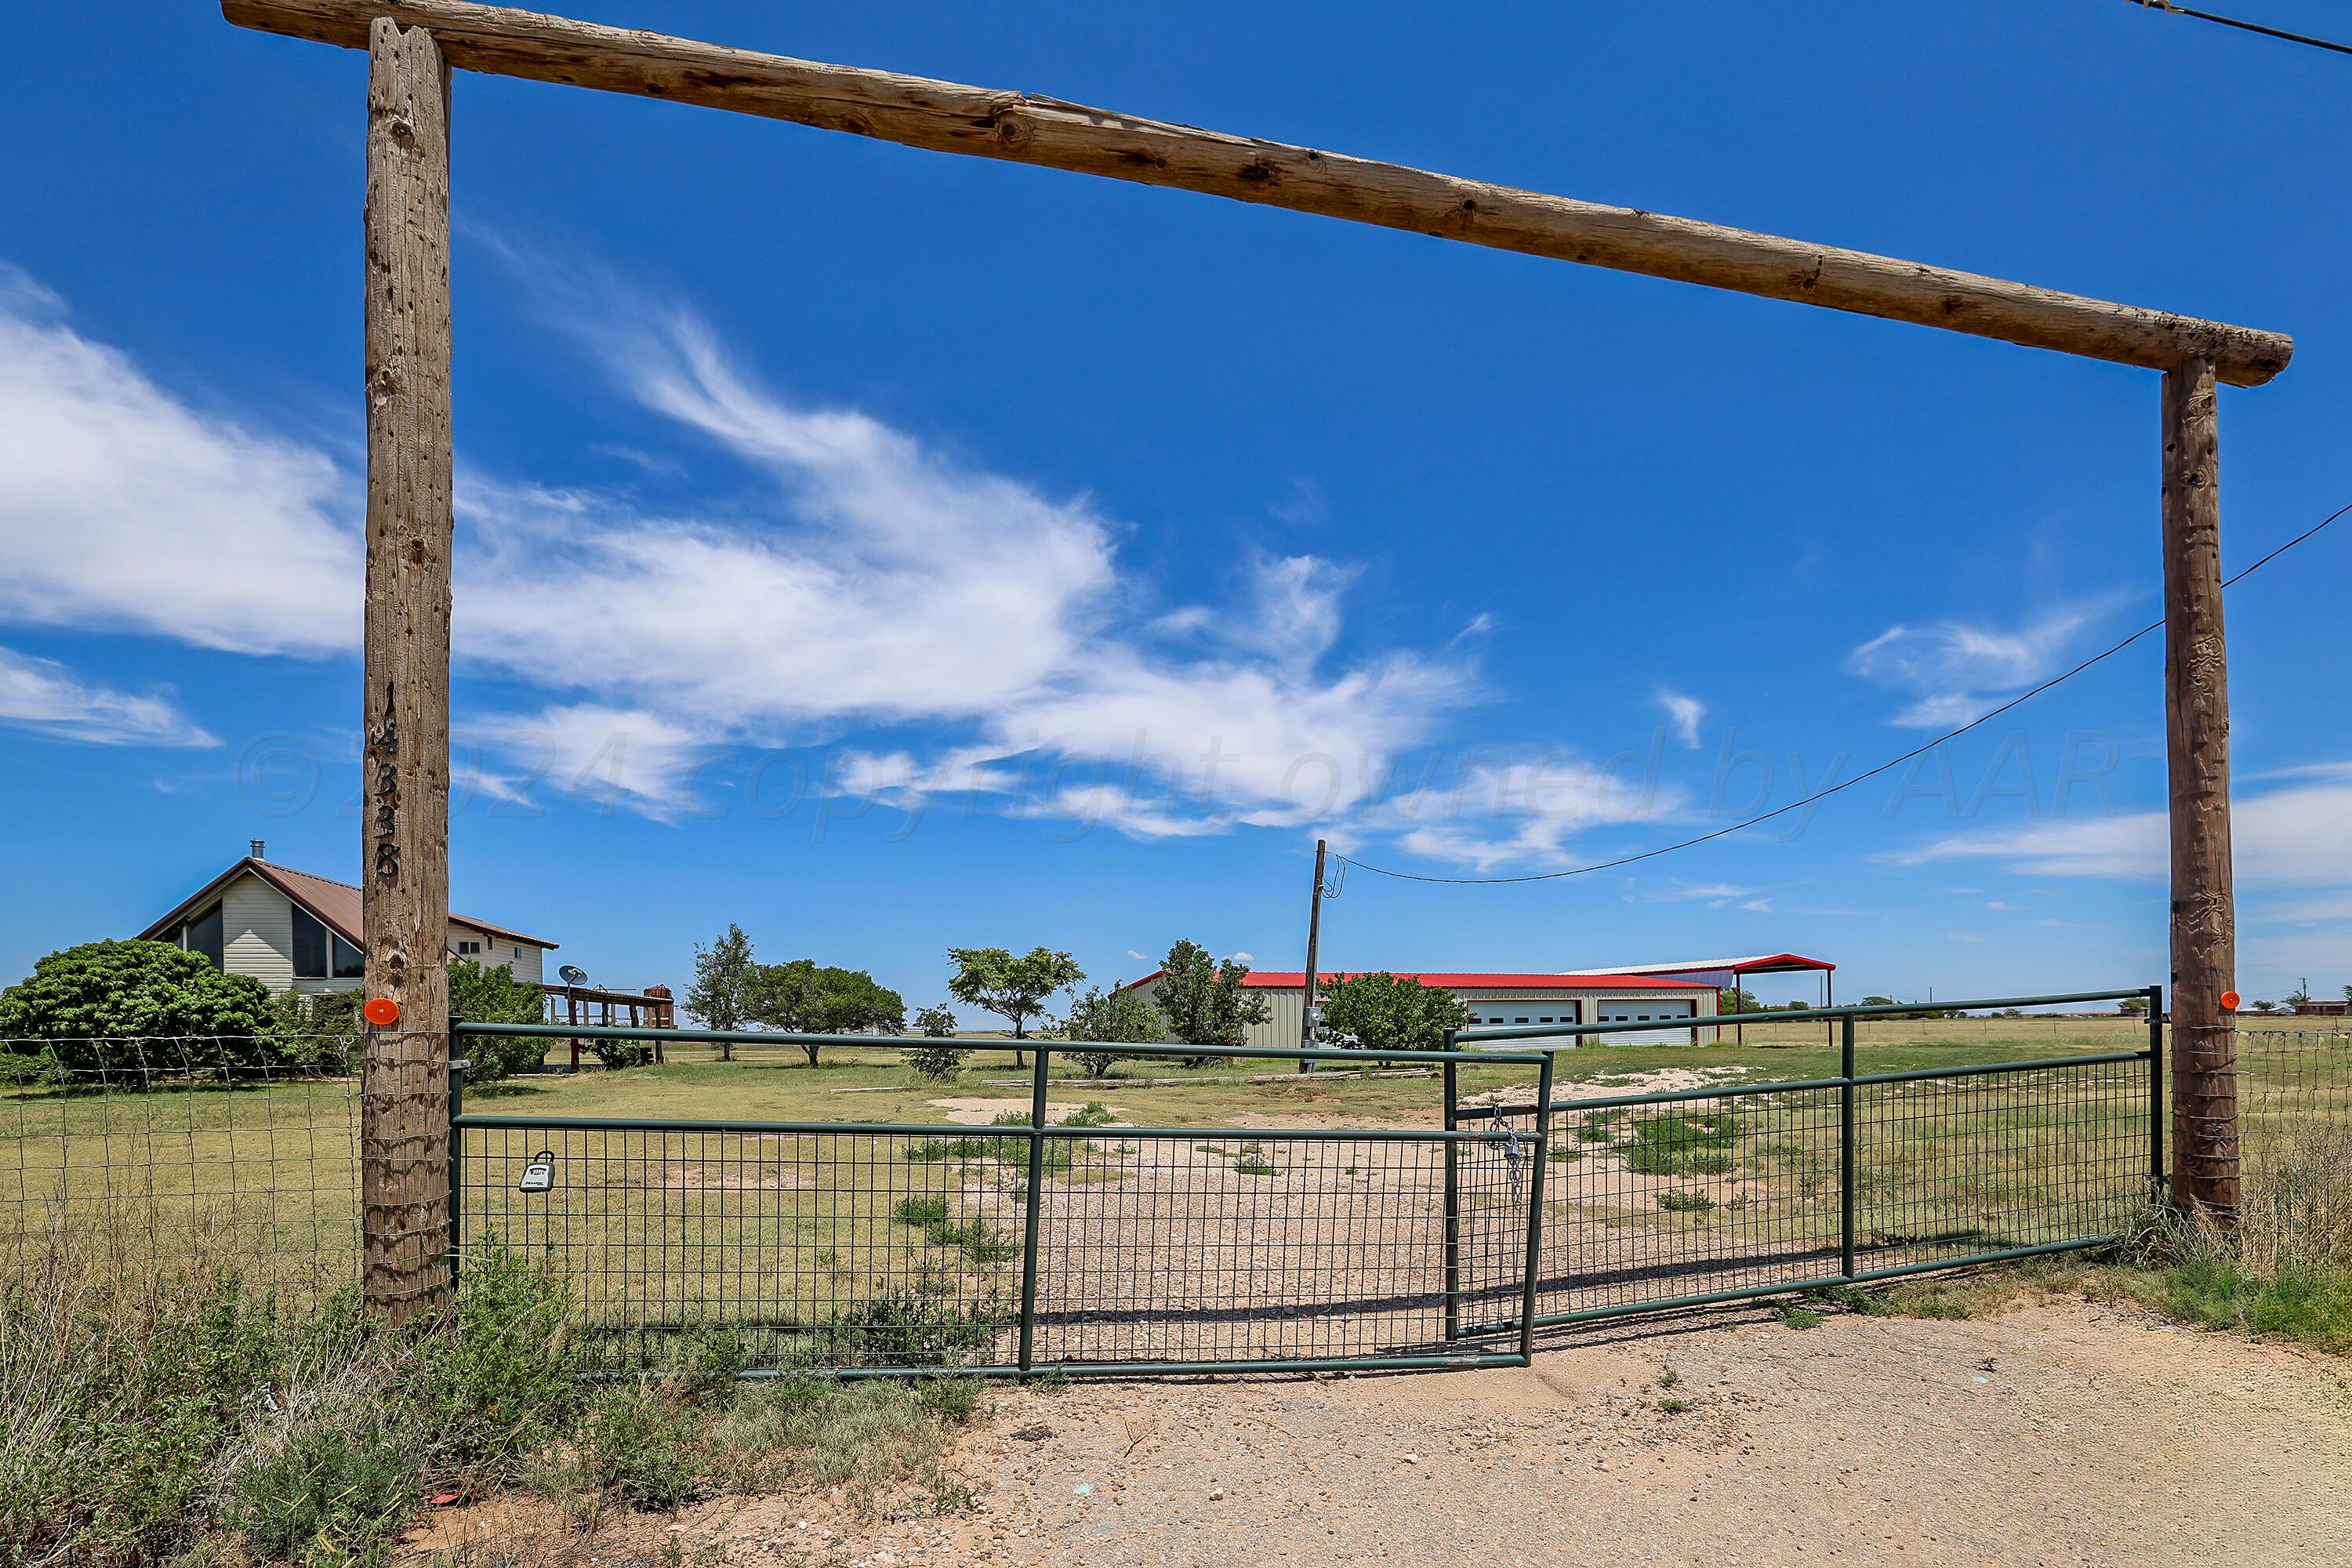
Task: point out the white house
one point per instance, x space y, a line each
1507 999
295 931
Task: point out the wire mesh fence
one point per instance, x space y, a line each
889 1248
145 1156
2292 1082
886 1248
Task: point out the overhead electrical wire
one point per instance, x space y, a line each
2244 26
1886 766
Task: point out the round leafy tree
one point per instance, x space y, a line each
140 1008
485 995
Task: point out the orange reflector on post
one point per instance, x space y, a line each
381 1011
2229 1001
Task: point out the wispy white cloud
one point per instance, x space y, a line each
44 696
1953 669
1684 714
126 506
862 582
2301 834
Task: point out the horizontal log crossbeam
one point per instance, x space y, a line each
946 117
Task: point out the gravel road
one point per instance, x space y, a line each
2060 1433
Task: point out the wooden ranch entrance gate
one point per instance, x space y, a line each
412 45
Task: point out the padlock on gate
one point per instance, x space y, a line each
540 1175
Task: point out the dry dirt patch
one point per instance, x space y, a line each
2056 1435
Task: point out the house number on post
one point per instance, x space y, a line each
383 781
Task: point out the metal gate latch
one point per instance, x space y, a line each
540 1175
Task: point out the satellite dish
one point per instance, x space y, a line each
572 974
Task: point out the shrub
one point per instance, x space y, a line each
1381 1012
638 1448
1116 1016
500 1382
128 1007
481 996
904 1327
328 1495
321 1031
1682 1145
935 1061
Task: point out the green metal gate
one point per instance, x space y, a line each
1713 1194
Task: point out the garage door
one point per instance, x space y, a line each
1642 1011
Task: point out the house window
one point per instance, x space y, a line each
321 954
203 935
469 949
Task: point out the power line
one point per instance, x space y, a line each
1859 778
2243 26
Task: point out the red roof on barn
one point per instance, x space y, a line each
1295 979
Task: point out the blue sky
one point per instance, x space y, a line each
889 552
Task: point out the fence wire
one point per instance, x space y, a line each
895 1248
1682 1198
884 1248
149 1156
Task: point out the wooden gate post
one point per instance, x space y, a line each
404 1123
2197 733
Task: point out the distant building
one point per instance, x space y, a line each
2311 1009
1503 999
295 931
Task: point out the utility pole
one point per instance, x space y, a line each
1313 937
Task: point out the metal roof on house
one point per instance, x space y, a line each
1757 964
336 904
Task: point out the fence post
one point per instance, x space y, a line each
458 1065
1845 1148
1453 1200
1535 1211
2155 1106
1036 1202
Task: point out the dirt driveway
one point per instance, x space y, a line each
2066 1434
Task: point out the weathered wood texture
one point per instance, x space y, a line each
404 1108
2197 729
985 122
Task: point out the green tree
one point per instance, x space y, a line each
1115 1017
1203 1001
481 996
1735 1000
1015 989
935 1023
804 997
720 974
145 1007
2132 1006
1382 1012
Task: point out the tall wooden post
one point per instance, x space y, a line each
1314 941
404 1125
2197 731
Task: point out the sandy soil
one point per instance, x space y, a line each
2060 1433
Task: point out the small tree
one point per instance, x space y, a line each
1204 1002
936 1023
145 1007
2132 1006
481 996
804 997
1114 1016
1382 1012
720 974
1015 989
